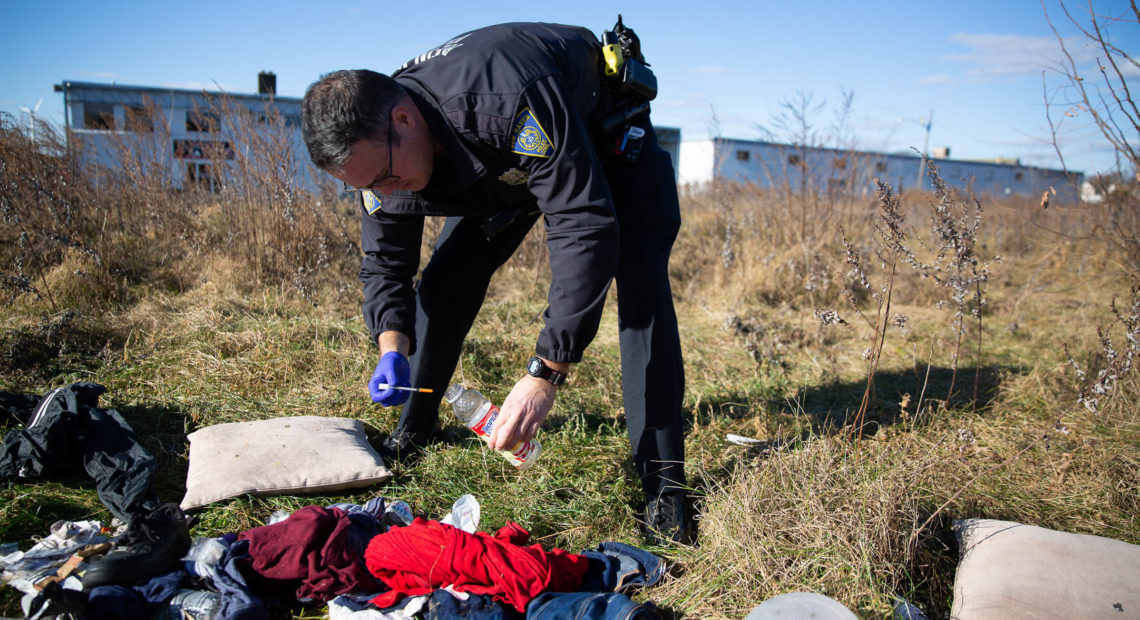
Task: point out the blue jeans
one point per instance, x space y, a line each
443 606
592 605
616 566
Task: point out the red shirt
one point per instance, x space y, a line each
428 555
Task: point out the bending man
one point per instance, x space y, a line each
492 130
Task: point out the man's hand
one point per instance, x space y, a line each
522 412
393 370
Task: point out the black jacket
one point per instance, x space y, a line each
68 430
511 106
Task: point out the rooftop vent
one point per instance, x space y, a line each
267 83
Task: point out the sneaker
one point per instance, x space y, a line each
154 543
669 520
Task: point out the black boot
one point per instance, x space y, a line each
403 446
153 544
669 519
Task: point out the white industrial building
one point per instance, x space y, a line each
851 172
183 133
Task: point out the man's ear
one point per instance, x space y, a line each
402 115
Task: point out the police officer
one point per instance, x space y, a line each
492 130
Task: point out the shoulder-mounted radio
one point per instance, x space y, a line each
628 85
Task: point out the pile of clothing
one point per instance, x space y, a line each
365 562
361 561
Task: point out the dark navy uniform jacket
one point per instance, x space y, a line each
510 105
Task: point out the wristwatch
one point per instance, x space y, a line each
536 368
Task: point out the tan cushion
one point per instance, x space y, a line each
1009 570
304 454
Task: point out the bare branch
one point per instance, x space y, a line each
1103 109
1053 129
1109 51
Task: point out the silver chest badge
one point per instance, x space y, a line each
514 176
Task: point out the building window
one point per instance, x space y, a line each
742 155
203 149
198 120
138 118
1018 176
880 166
839 163
793 160
199 175
98 116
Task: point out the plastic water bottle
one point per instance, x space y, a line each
479 414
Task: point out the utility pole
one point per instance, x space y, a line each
925 151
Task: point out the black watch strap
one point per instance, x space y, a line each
537 368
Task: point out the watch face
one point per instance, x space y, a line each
535 367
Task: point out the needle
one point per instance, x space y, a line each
385 386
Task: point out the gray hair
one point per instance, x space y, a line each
343 108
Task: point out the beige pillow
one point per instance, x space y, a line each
304 454
1008 570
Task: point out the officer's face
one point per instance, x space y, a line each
401 161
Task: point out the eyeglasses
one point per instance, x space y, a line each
388 179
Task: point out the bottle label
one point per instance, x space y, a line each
486 426
521 452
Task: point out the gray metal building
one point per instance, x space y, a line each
851 172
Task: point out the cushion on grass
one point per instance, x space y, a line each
304 454
1008 570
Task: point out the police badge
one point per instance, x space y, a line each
514 176
372 201
529 137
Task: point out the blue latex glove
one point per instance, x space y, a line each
393 369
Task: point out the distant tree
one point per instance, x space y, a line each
1109 101
1105 98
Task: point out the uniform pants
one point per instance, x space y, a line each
455 281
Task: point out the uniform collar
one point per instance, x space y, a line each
465 165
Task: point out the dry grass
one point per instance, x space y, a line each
818 515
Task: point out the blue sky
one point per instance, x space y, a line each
723 67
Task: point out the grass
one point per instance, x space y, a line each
189 323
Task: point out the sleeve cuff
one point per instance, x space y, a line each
558 355
395 326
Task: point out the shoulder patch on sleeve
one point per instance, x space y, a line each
528 136
371 202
